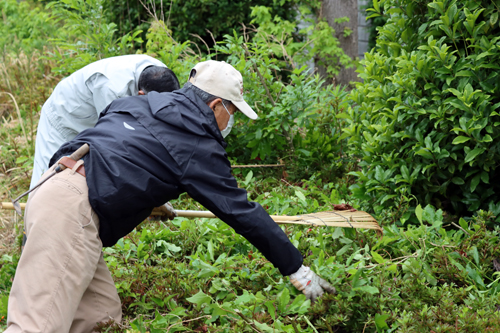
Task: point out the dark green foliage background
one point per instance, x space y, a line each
188 17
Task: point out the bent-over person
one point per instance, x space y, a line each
144 151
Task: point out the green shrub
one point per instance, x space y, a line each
425 121
296 111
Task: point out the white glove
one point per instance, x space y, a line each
310 284
168 210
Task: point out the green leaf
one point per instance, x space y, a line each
380 323
263 327
485 177
474 275
379 173
464 73
355 278
473 154
271 309
344 249
301 196
246 297
210 248
387 197
405 173
377 257
369 289
487 138
424 153
248 178
173 247
418 213
494 18
463 224
474 182
283 299
305 304
393 268
475 255
460 139
253 143
305 152
199 299
337 233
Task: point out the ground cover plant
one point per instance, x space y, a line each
199 275
440 273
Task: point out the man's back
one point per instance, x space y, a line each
143 142
147 150
78 100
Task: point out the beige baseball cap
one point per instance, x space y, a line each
222 80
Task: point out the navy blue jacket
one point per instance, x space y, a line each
147 150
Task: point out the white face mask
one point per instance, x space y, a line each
225 132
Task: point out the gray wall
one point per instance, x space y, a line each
363 33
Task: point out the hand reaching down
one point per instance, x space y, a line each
310 283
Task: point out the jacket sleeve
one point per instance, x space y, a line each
207 178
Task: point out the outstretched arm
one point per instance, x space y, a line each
208 179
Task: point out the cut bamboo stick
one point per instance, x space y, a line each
344 219
10 205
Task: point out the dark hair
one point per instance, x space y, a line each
157 78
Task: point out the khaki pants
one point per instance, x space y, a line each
62 283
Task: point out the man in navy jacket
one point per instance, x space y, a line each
144 151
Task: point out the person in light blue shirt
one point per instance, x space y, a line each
79 99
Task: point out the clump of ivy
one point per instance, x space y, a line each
425 120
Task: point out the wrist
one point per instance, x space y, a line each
300 273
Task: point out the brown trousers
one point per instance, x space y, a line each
62 283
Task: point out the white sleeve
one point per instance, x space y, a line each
103 91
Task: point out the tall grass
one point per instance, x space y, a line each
26 82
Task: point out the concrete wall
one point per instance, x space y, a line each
363 33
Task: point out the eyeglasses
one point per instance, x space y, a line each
225 108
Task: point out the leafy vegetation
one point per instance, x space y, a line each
409 131
25 25
200 276
183 17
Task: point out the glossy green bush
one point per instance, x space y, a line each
425 119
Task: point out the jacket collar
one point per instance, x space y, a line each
191 101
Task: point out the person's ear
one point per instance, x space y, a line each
213 103
141 93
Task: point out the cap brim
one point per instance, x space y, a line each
245 109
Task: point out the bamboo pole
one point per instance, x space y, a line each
10 205
343 219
